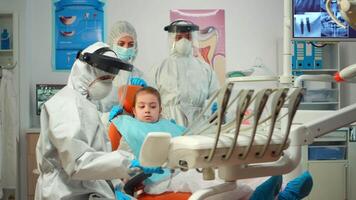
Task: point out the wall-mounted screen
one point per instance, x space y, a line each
44 92
312 22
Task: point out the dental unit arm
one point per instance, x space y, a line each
340 118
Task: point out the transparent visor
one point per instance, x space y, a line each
190 45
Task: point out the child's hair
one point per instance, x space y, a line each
149 90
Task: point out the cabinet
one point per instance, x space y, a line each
351 173
8 56
327 159
330 159
329 180
311 60
334 178
32 173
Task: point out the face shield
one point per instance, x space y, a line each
183 38
108 64
105 67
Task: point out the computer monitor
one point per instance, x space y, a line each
312 22
44 92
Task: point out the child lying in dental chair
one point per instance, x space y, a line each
128 133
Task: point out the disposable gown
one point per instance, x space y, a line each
73 153
185 83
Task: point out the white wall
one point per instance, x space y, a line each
252 30
39 66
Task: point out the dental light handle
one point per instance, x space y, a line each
346 74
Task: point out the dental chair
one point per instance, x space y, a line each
237 151
115 138
267 146
234 150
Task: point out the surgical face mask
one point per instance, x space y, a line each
183 47
99 88
125 54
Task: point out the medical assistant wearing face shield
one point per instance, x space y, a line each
73 153
123 40
184 81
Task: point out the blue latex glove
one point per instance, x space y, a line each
138 81
115 110
297 188
146 170
120 195
214 107
268 189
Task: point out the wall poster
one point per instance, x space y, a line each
77 24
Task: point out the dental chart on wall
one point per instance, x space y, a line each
77 24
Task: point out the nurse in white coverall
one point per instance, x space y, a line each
183 80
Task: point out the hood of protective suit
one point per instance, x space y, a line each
121 29
82 74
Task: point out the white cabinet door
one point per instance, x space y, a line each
329 180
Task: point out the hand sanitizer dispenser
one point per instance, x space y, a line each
5 39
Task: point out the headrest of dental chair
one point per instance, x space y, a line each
128 101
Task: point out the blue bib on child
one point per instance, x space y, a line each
134 132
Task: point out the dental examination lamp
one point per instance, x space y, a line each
348 11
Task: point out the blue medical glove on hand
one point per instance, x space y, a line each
268 190
297 188
147 170
115 110
214 107
120 195
138 81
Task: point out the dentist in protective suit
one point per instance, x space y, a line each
73 152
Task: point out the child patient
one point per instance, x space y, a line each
131 133
146 110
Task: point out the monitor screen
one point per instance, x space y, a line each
44 92
312 22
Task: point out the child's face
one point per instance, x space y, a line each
147 108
